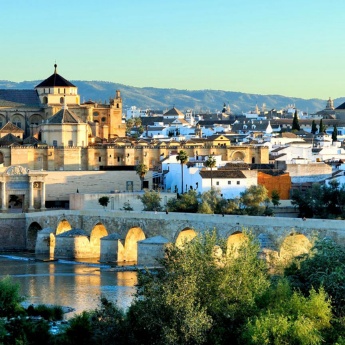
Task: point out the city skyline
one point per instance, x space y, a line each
289 48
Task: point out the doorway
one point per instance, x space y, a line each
15 203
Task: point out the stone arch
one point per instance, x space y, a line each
130 253
186 235
234 242
31 238
63 226
238 156
293 245
97 232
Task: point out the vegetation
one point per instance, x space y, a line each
295 122
321 201
127 206
141 170
335 133
211 163
103 201
251 202
209 293
182 157
275 198
151 201
313 127
322 127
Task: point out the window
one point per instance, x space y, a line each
95 113
55 143
61 100
229 182
217 183
104 119
100 159
70 142
45 100
238 182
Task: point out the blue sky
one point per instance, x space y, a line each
286 47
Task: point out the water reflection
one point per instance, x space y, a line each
73 285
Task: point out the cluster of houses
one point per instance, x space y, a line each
59 142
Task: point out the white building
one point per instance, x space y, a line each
197 177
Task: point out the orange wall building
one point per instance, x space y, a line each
279 182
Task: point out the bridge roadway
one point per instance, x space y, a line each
277 234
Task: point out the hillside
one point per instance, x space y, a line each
199 100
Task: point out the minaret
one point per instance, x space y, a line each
330 105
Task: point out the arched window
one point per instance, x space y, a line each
45 100
18 121
61 100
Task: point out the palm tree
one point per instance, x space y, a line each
142 170
211 163
182 157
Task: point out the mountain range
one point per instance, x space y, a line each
202 101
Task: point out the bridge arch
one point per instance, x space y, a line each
184 236
293 245
97 232
63 226
130 252
234 242
33 229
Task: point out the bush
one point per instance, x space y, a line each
53 313
10 298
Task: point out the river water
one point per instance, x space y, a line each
69 284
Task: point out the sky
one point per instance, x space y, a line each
281 47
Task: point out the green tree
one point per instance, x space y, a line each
182 157
141 170
322 127
151 201
129 125
252 198
201 296
322 267
211 163
313 127
335 133
10 298
103 201
275 198
211 201
187 202
295 122
290 318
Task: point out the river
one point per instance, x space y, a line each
69 284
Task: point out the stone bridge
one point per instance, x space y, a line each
141 236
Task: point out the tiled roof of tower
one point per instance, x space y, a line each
16 98
55 80
64 116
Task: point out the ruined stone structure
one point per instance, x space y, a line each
116 236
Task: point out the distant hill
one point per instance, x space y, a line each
199 100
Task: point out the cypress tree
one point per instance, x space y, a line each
295 122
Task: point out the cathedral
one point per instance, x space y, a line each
51 114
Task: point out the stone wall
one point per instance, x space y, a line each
12 232
80 201
60 184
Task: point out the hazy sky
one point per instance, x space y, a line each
286 47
